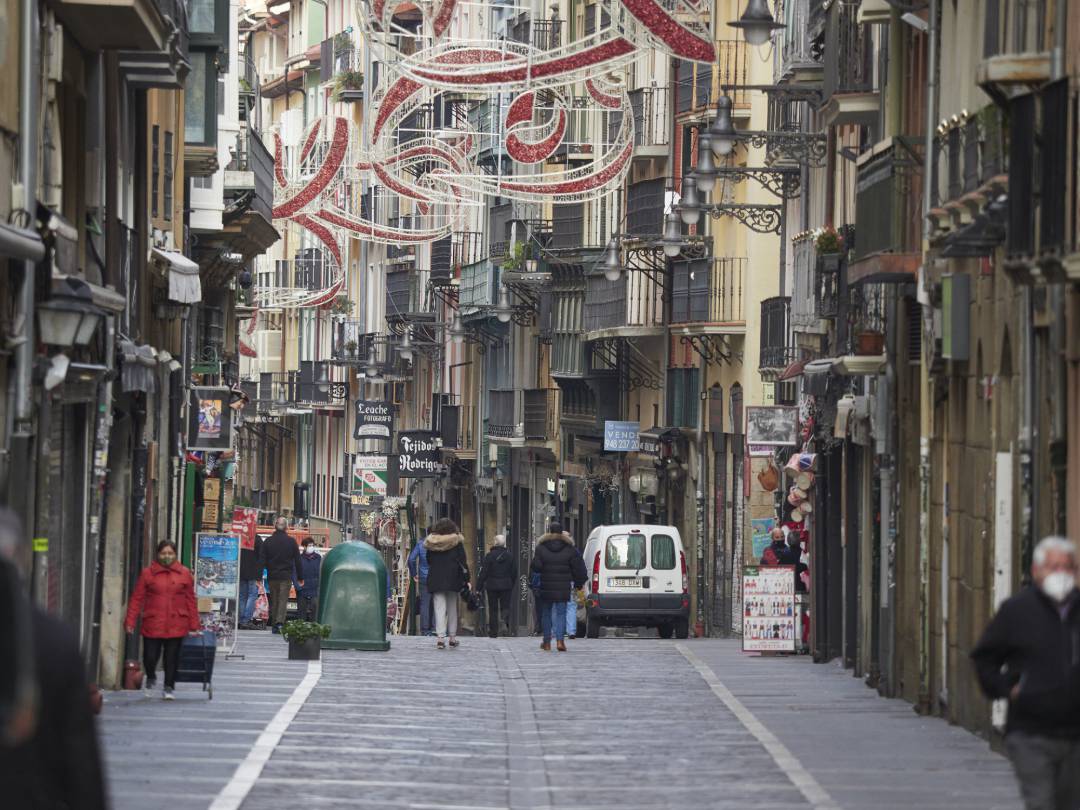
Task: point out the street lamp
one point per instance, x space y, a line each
757 22
372 369
457 330
722 131
706 168
690 204
323 380
69 317
612 264
673 239
405 347
503 310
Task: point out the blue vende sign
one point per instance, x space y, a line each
621 437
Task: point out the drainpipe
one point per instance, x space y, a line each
699 503
925 395
23 433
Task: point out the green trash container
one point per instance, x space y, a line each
352 598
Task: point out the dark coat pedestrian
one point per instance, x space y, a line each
447 563
498 571
1030 655
310 568
281 557
560 567
250 561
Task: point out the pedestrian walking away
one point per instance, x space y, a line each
165 598
448 574
418 568
307 587
49 751
497 576
561 569
251 573
281 559
1030 655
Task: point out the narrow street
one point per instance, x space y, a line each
613 723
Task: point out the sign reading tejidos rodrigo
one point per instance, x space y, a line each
418 454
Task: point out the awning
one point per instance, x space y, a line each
184 284
20 243
792 371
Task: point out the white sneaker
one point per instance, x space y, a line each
168 694
149 687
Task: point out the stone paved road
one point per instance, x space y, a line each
614 723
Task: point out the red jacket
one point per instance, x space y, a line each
166 599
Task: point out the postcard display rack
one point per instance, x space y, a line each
769 614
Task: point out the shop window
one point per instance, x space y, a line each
663 552
625 552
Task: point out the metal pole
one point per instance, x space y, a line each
925 399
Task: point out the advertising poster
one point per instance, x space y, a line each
370 475
759 538
217 566
622 437
209 419
244 521
769 608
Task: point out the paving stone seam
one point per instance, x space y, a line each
529 789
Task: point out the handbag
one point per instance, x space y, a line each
465 588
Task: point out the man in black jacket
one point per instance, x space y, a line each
560 567
498 572
281 558
250 574
1030 654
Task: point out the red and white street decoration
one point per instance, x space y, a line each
559 112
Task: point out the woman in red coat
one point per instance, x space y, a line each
165 596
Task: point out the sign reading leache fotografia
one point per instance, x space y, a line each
418 454
374 420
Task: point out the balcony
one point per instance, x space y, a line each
347 71
733 70
349 342
283 390
291 283
645 208
252 170
694 84
850 86
540 408
476 294
502 421
1015 46
629 307
404 298
707 294
567 227
798 59
887 188
442 261
651 122
777 352
152 36
468 248
544 35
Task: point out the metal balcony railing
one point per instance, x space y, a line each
634 301
777 351
544 35
311 270
252 156
827 271
645 208
709 290
502 414
967 156
733 70
539 407
442 260
886 196
468 248
849 52
567 226
796 51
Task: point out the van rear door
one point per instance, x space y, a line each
664 583
624 568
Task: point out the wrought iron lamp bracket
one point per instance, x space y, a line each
758 218
783 183
803 147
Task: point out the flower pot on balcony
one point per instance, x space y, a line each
869 343
829 262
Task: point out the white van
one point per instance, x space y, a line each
637 578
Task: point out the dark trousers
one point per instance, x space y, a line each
498 605
152 650
1048 769
279 600
308 606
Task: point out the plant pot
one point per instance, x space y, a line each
307 650
829 262
869 343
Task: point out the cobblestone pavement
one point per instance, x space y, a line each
614 723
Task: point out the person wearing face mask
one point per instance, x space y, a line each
307 589
165 597
1030 654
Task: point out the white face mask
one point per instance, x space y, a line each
1058 585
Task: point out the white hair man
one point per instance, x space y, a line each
498 575
1030 654
281 558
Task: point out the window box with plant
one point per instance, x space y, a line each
341 306
348 85
829 248
305 639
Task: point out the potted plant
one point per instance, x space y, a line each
305 639
341 306
351 347
348 83
515 257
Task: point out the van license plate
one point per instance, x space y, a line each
624 582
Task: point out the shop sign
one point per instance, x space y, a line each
217 565
649 446
768 608
244 521
373 419
621 437
418 454
370 475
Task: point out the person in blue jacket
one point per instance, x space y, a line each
307 595
418 569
